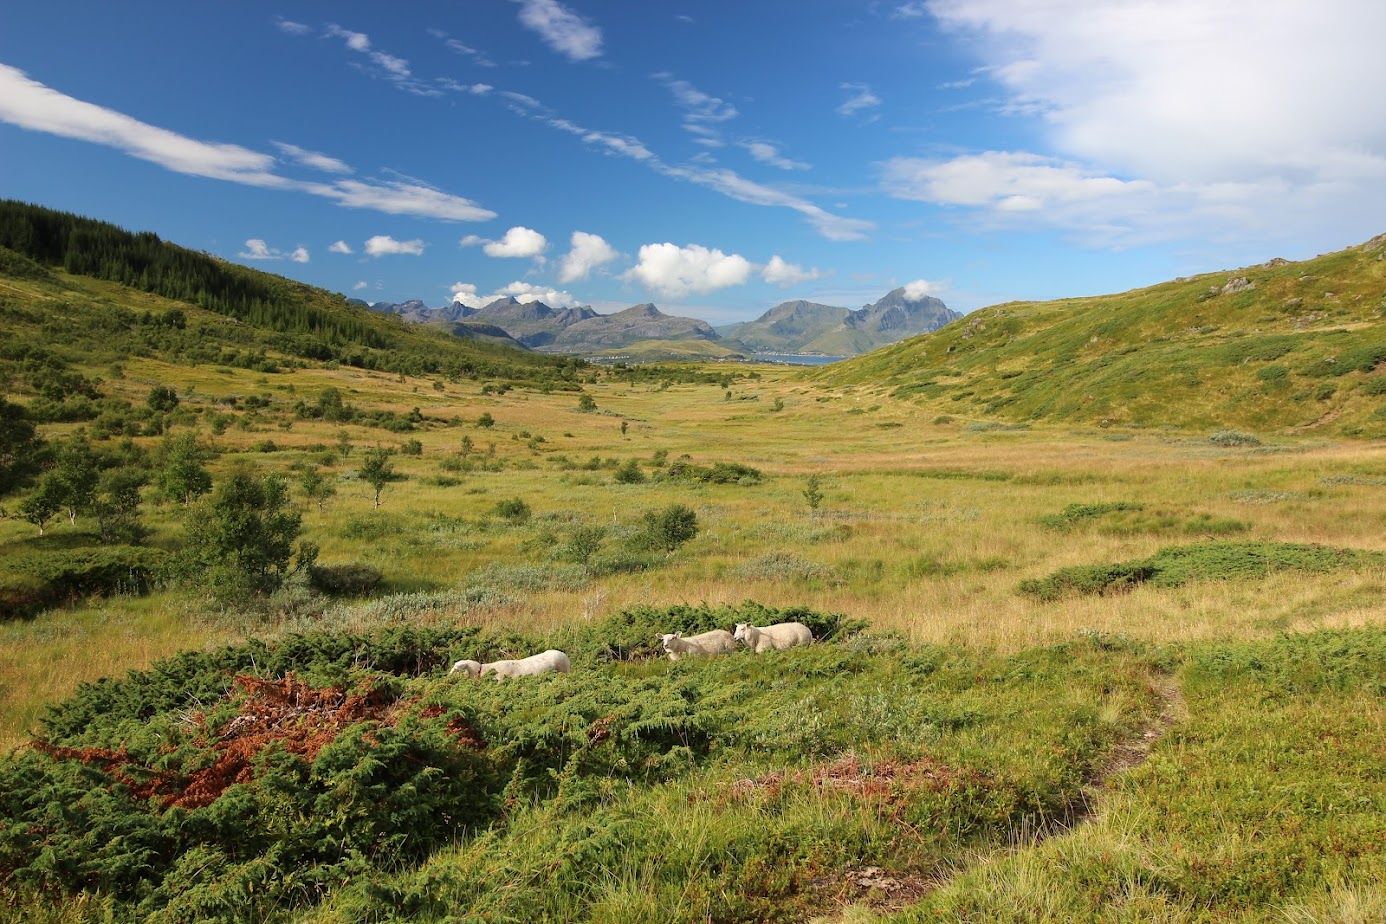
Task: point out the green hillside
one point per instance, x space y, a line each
94 293
1296 346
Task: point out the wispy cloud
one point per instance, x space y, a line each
341 247
861 101
391 67
291 27
767 153
398 198
383 245
31 105
702 111
480 59
561 29
312 158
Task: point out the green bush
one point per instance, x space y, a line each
1233 438
670 527
43 576
1214 561
354 579
1074 514
514 510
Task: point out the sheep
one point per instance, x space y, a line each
773 638
551 660
718 641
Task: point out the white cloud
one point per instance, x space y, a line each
465 293
461 48
361 285
589 252
382 245
31 105
398 198
291 27
769 154
920 289
474 89
257 249
518 242
341 247
780 273
1017 188
1248 116
678 271
524 292
561 29
356 41
862 100
702 111
1004 180
731 184
390 67
312 158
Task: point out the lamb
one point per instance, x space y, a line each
718 641
545 661
773 638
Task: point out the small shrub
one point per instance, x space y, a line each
630 472
347 580
1231 438
670 527
782 566
514 510
1177 565
1074 514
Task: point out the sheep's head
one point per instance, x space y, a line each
741 632
470 668
666 638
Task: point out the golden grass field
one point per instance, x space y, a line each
925 529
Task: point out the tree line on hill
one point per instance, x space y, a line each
285 316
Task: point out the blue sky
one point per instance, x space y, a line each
714 158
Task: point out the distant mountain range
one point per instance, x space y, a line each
792 327
808 327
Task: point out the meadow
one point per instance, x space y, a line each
1107 673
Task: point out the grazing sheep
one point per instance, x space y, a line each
545 661
773 638
470 668
718 641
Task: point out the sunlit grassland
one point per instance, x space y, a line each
926 528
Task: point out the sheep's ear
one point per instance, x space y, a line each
678 634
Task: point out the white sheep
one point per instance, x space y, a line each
545 661
773 638
718 641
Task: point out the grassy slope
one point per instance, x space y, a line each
1295 352
927 529
92 322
